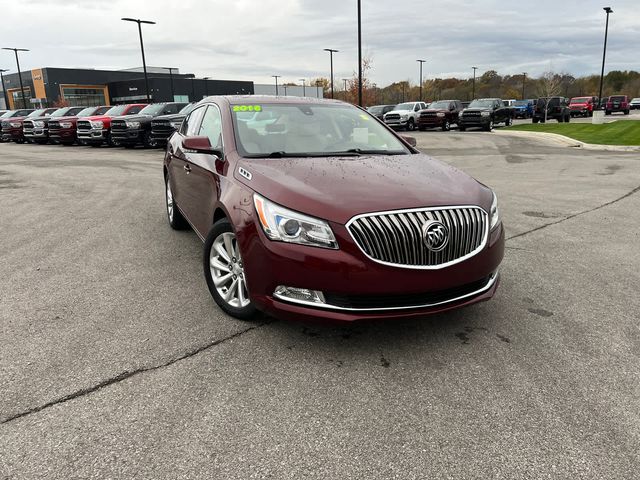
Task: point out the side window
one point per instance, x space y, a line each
191 124
212 126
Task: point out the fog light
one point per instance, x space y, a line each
299 294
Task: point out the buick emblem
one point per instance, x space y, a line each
435 235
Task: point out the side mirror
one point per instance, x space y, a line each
410 140
199 145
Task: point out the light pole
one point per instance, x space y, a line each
4 90
604 53
420 62
331 52
524 79
276 77
171 69
359 53
16 50
285 89
304 90
473 94
144 62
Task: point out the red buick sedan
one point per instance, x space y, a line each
314 209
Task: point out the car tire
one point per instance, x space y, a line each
411 125
567 119
489 126
626 112
224 272
146 140
175 218
534 120
446 126
110 141
508 122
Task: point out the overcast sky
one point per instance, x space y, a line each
254 39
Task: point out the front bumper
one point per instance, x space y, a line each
95 135
348 279
396 123
12 134
471 122
127 137
431 122
36 133
63 134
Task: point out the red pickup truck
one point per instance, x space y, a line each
63 130
583 106
617 103
96 130
12 127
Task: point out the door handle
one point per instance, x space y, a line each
187 169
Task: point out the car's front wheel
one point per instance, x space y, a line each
411 125
175 218
224 271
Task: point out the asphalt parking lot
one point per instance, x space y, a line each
116 363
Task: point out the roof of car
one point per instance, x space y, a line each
233 99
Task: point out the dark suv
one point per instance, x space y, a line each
485 113
162 127
136 129
380 110
442 114
548 108
617 103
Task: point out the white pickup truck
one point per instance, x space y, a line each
404 115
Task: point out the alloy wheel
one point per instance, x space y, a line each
169 201
227 271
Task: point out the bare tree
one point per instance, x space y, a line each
549 85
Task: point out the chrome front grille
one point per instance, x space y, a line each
84 125
471 114
392 116
428 114
118 126
396 238
27 127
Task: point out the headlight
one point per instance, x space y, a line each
66 125
133 124
38 124
495 212
279 223
15 124
440 114
485 114
97 124
176 125
404 117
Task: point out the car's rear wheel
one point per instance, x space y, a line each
508 122
176 220
535 120
224 271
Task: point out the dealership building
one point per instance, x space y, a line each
45 87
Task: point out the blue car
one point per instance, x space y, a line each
523 108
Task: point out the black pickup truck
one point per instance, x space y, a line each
162 127
485 113
135 130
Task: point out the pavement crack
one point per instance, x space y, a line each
131 373
569 217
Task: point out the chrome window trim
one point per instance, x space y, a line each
489 284
483 243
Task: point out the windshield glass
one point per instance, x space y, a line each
87 112
439 105
617 98
6 114
61 112
152 109
580 100
405 106
37 113
186 110
376 110
279 130
116 111
481 104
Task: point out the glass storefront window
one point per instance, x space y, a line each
84 96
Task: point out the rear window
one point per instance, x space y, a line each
617 98
581 100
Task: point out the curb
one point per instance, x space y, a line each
570 142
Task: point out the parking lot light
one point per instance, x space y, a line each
144 63
359 53
276 77
331 52
473 88
15 51
420 62
171 69
604 52
524 79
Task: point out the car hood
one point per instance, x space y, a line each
173 117
338 188
65 119
97 117
488 109
435 110
134 118
400 112
15 119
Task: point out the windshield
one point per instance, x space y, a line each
37 113
87 112
6 114
61 112
376 110
115 111
439 106
152 109
279 130
405 106
186 110
481 104
580 100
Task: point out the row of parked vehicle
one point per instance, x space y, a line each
121 125
485 113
